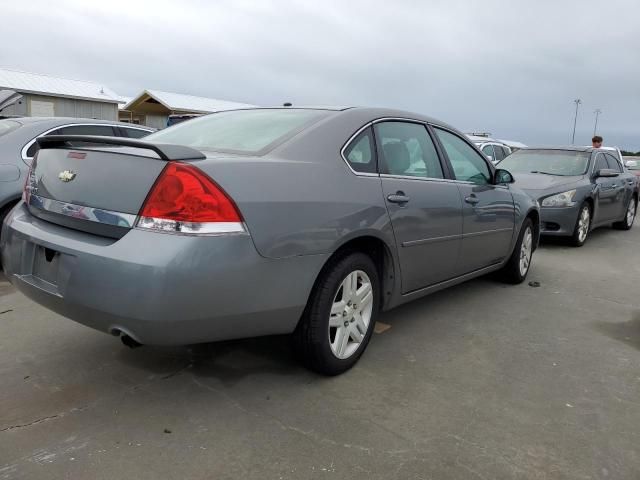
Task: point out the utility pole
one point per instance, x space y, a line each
577 101
597 111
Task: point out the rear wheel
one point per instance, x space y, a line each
583 224
517 268
629 217
339 319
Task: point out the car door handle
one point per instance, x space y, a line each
398 197
472 199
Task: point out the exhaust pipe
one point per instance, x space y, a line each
129 342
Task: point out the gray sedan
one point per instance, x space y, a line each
579 189
264 221
18 146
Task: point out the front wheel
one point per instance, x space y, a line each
339 319
517 268
629 217
583 224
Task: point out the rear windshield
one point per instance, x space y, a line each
7 126
551 162
242 131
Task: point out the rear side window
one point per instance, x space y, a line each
100 130
467 164
242 131
134 132
407 150
613 163
361 152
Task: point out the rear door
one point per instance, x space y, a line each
623 187
424 207
488 210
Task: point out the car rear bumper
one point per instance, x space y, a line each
158 288
559 221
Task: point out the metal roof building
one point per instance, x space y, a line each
48 96
153 107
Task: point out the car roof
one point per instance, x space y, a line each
569 148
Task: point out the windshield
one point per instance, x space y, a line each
7 126
550 162
241 131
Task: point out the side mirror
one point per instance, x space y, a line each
502 176
631 163
606 173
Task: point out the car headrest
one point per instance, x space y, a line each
397 157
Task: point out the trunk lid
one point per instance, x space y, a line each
96 190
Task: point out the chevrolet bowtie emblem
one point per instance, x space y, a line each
66 176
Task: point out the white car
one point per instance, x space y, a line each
495 150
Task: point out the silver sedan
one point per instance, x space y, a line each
264 221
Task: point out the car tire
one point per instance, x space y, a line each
583 226
517 268
340 316
629 216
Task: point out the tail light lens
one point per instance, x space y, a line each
30 184
185 200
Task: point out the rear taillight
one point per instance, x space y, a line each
185 200
30 184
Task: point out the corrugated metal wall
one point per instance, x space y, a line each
66 107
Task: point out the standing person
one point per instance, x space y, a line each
596 141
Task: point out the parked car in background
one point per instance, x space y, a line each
18 146
633 165
179 118
579 189
264 221
495 150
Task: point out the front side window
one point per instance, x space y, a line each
488 151
601 162
407 150
240 131
467 164
361 152
613 163
499 153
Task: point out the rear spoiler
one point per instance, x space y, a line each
165 151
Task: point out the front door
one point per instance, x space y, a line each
488 210
607 193
425 209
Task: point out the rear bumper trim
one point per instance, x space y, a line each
82 212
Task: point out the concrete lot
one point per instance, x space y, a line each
483 381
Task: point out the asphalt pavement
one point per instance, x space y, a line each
482 381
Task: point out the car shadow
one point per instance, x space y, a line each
228 361
627 332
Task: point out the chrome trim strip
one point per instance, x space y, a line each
487 232
23 152
424 241
82 212
347 144
160 225
412 243
427 179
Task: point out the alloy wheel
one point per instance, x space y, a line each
350 314
526 250
583 224
631 212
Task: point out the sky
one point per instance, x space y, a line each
509 67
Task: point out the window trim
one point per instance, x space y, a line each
375 151
23 152
444 163
619 169
492 168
